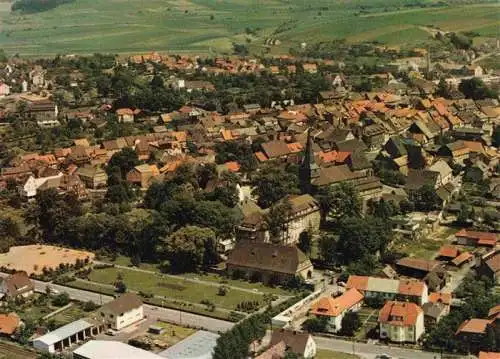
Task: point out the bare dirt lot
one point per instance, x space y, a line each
34 258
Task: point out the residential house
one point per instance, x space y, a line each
9 323
17 285
336 308
462 258
489 355
418 178
468 134
298 343
389 289
401 322
477 172
142 175
268 262
444 170
456 151
489 266
123 311
43 111
93 176
276 149
276 351
472 332
4 89
474 238
125 115
33 185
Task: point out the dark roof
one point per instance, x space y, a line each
418 178
335 174
267 256
295 341
358 161
275 148
398 144
350 145
434 310
123 304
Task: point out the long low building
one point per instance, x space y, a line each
103 349
68 335
390 289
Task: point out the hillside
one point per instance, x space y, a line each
125 26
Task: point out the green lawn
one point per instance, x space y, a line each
177 289
208 26
174 333
69 315
425 247
327 354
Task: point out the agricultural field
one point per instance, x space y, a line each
210 26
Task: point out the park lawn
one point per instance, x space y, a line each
172 288
125 261
327 354
425 247
257 287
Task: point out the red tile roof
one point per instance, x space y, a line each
448 251
476 235
411 287
465 256
489 355
474 325
399 313
333 307
444 298
261 156
358 282
232 166
9 323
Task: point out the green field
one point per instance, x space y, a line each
204 26
177 289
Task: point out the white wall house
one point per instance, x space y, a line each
401 322
336 308
123 311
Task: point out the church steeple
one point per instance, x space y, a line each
309 170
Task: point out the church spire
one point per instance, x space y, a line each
309 170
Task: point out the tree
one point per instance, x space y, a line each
273 183
406 206
476 89
61 300
120 286
466 213
315 325
350 323
443 89
190 248
460 41
427 199
344 201
359 239
305 242
277 219
125 160
328 248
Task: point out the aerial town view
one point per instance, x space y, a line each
236 179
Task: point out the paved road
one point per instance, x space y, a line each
370 351
170 315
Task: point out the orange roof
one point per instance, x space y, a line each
399 313
227 135
328 156
261 157
9 323
448 251
476 147
487 242
342 157
232 166
124 111
295 147
171 166
411 287
333 307
473 325
465 256
476 235
358 282
437 297
489 355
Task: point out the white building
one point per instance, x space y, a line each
336 308
32 185
99 349
123 311
4 90
17 285
66 336
401 322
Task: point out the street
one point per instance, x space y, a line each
370 351
154 312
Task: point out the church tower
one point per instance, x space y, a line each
309 170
